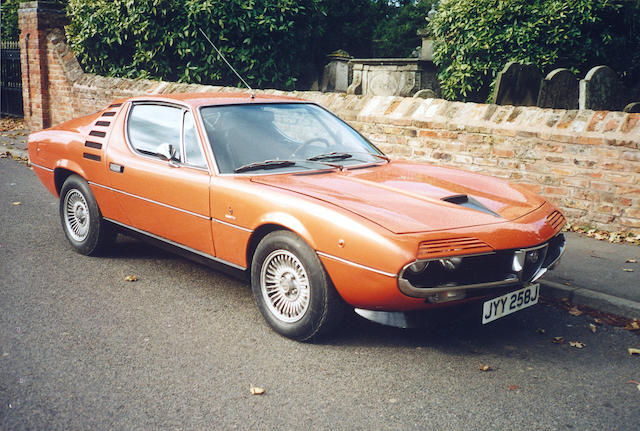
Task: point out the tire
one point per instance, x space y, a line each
292 289
81 219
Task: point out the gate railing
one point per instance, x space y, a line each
10 79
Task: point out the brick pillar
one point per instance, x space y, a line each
37 19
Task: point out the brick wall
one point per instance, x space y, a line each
586 162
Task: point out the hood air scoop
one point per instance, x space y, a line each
469 202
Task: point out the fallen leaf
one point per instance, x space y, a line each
631 261
541 331
633 351
131 278
592 327
256 390
514 387
598 321
635 383
627 269
577 344
633 325
17 203
485 368
557 340
574 311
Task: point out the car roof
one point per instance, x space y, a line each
212 98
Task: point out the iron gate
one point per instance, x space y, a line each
10 80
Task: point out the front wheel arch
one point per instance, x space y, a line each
284 269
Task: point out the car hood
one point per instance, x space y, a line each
406 197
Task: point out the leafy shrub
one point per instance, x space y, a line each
474 39
269 42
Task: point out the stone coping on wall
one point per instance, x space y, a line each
586 162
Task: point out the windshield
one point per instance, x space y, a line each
283 137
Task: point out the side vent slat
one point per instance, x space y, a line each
451 246
91 144
556 220
115 105
102 123
109 114
97 133
92 157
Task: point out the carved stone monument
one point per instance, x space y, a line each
387 77
336 73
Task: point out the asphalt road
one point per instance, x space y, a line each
80 348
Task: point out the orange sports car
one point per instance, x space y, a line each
283 191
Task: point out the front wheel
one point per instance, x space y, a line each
292 289
81 219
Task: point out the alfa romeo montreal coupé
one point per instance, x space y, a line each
285 192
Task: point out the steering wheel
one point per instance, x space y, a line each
311 141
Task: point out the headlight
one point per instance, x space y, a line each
418 266
451 263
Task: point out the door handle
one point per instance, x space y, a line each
114 167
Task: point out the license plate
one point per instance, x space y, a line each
510 303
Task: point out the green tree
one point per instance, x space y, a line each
268 41
474 39
9 14
350 25
396 34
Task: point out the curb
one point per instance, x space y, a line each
592 299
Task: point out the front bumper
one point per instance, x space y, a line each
459 277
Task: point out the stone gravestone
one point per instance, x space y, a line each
517 84
632 108
601 90
559 90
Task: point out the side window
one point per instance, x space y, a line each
192 151
150 126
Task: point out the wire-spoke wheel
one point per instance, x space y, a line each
285 286
76 215
292 289
81 219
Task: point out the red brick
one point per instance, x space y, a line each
629 122
595 120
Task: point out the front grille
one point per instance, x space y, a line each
451 247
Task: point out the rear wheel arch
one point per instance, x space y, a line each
60 175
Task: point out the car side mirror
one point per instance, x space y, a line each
168 153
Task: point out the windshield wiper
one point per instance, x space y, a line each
334 155
267 164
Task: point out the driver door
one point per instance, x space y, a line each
166 198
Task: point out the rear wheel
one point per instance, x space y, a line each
292 289
81 219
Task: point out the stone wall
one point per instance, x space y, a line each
586 162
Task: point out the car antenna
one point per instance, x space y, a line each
253 95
